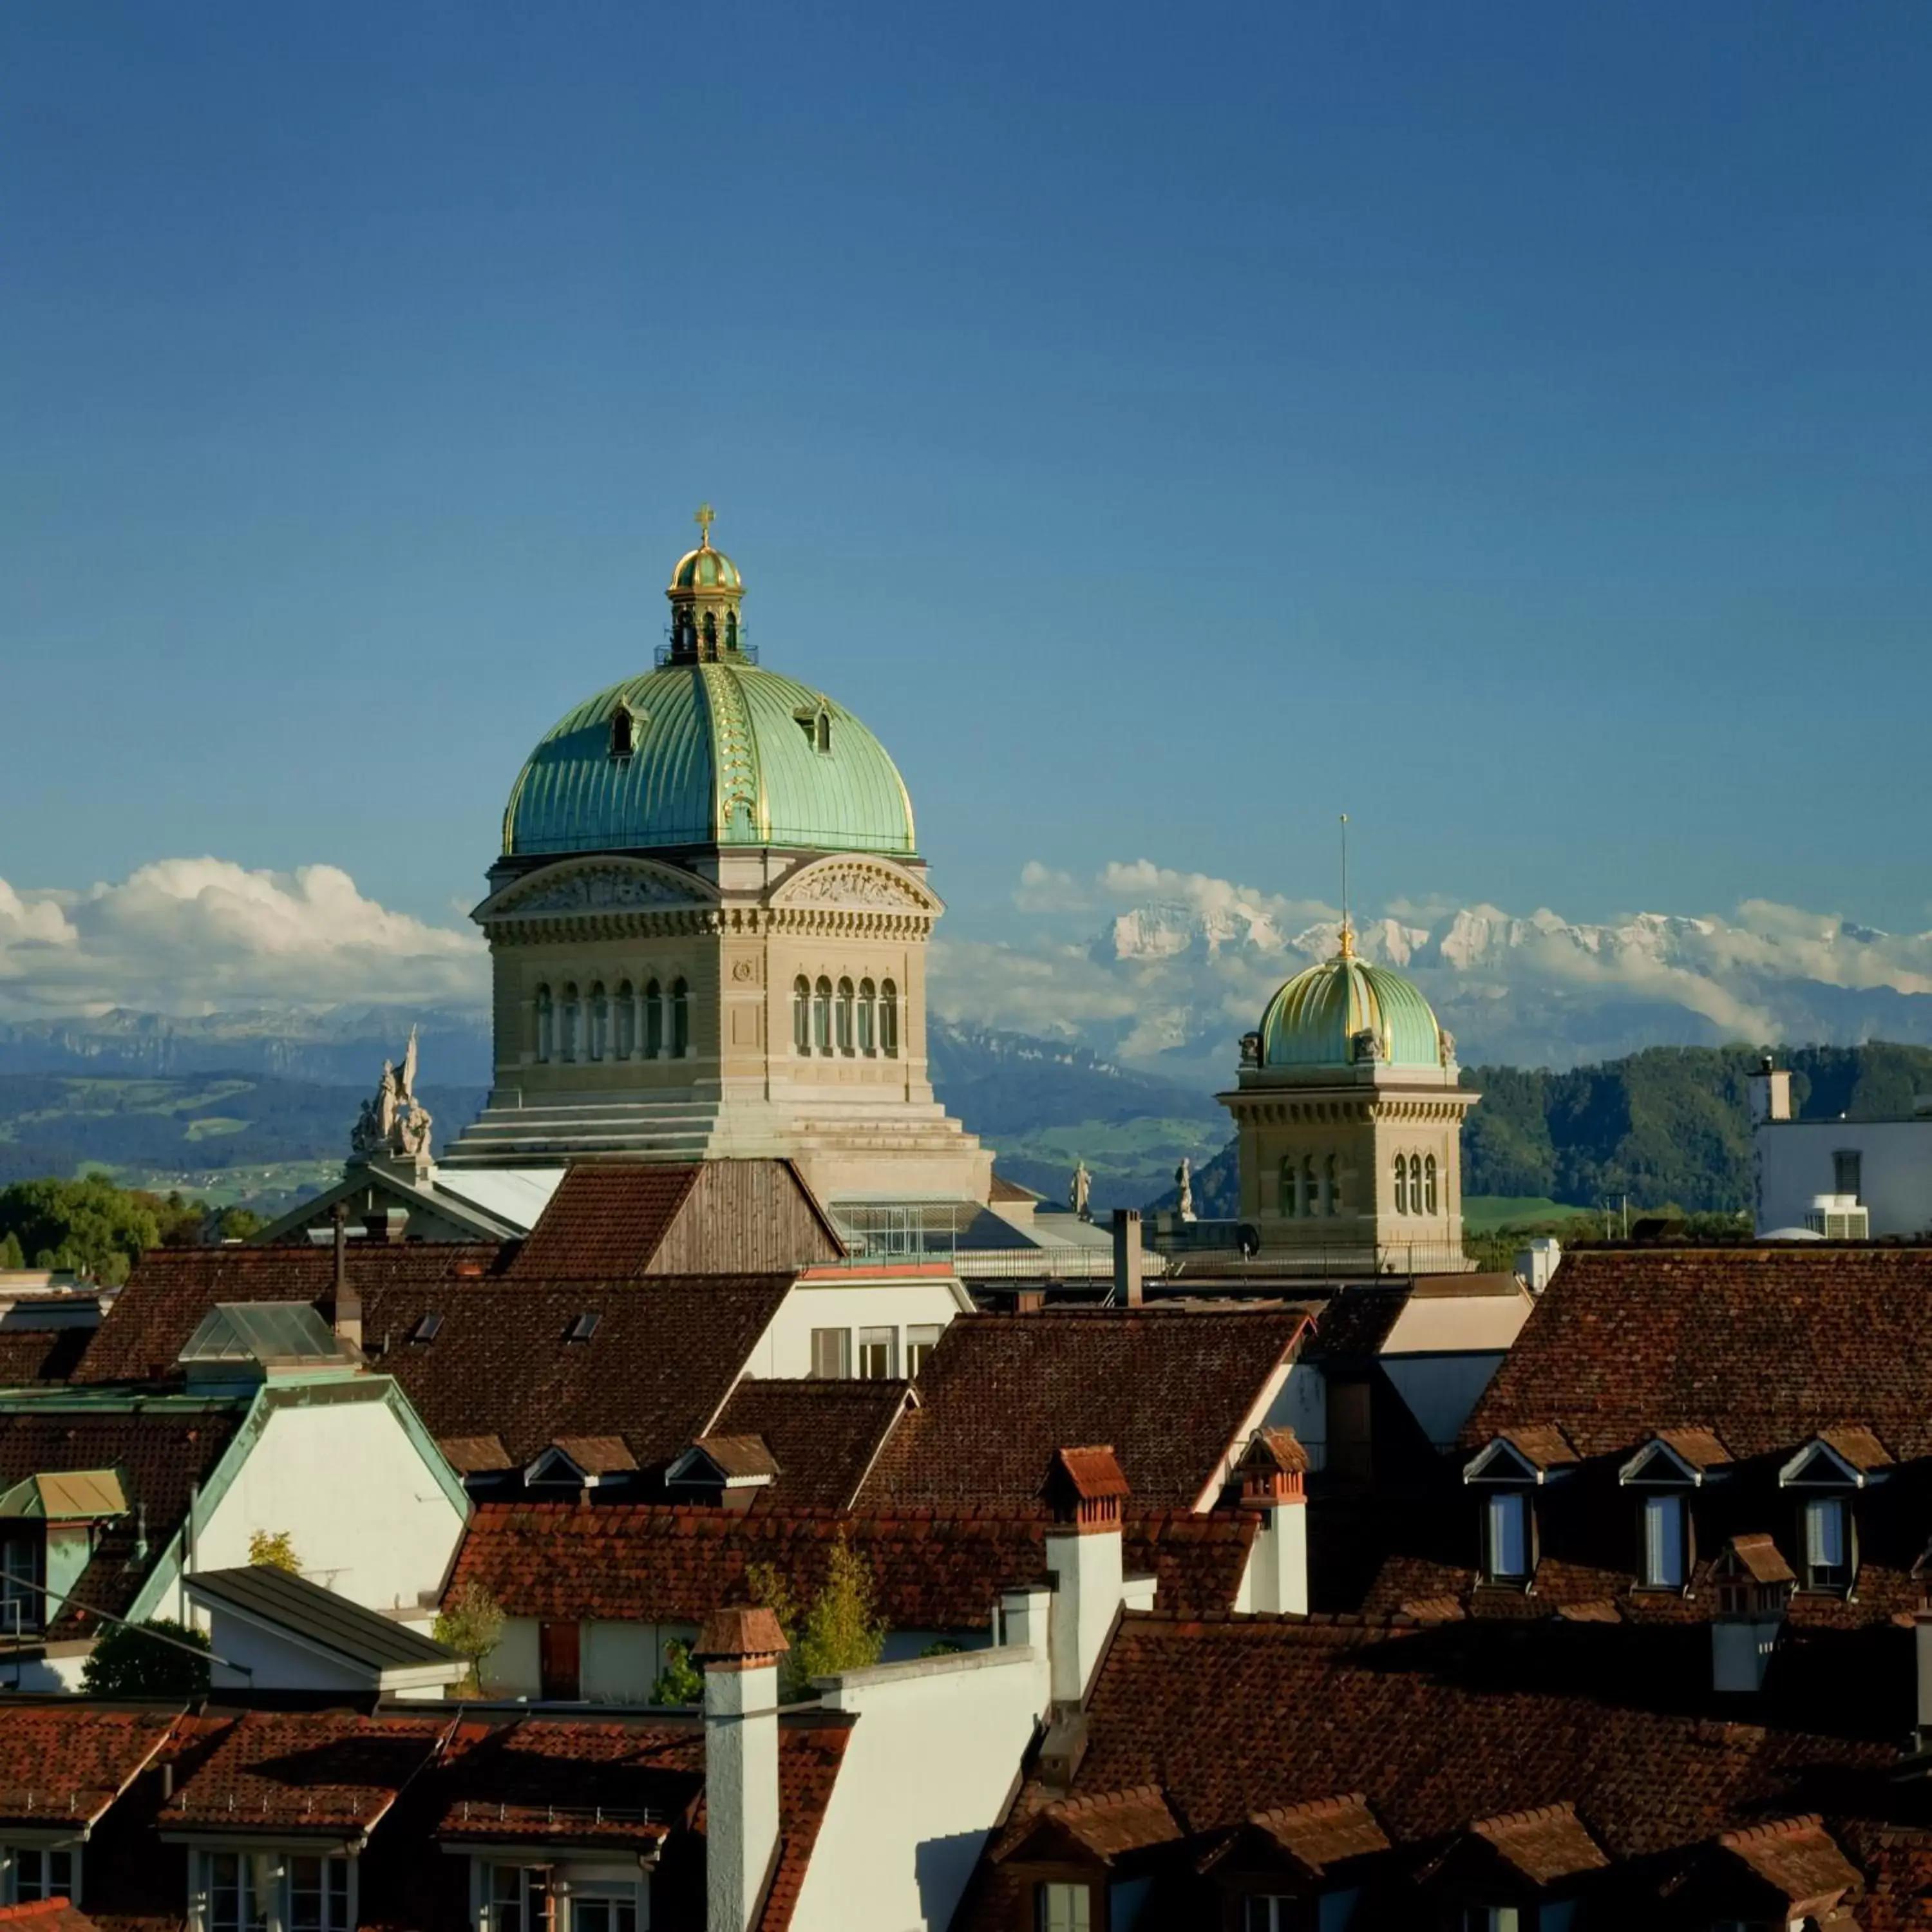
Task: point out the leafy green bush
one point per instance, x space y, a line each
127 1662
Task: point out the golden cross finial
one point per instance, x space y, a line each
1346 946
706 517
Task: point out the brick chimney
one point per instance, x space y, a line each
1084 1488
1272 1475
343 1308
740 1649
1753 1584
1127 1260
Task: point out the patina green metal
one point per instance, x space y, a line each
722 752
1313 1020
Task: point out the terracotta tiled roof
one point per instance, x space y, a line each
1276 1449
63 1762
1325 1831
161 1456
278 1770
931 1571
1798 1859
1353 1323
1544 1844
172 1289
809 1756
1171 1389
597 1455
1766 1347
824 1436
662 1357
1859 1447
47 1915
569 1781
1756 1557
1086 1475
1101 1827
1699 1447
1544 1444
29 1355
744 1630
605 1221
475 1455
742 1457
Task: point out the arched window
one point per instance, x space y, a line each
821 1015
1287 1187
653 1022
680 1019
1401 1183
868 1002
711 629
825 730
1415 1183
623 733
1428 1182
889 1019
1311 1188
844 1015
801 1015
572 1028
600 1021
627 1022
546 1025
731 630
1333 1183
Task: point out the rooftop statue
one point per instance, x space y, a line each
1080 1191
394 1121
1184 1179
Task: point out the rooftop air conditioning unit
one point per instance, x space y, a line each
1839 1217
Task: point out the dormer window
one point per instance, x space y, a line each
1507 1538
1506 1475
1663 1555
623 733
1663 1473
1824 1476
816 723
1824 1522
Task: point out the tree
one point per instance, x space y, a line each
89 1225
837 1630
471 1622
128 1661
10 1256
274 1549
680 1681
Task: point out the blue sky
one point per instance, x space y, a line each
1167 426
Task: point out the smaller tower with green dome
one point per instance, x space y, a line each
1348 1113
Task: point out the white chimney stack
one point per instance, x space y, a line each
1273 1472
1753 1584
1128 1261
739 1650
1770 1094
1085 1489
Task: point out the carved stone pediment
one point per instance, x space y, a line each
873 884
619 885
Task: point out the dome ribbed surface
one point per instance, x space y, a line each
1312 1020
706 569
721 755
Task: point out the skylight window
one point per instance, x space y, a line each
585 1326
427 1329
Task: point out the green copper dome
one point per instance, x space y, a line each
705 568
1313 1021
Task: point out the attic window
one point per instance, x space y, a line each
1506 1536
427 1329
817 726
623 732
584 1327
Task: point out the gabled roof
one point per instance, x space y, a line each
931 1571
63 1762
288 1334
323 1772
660 1360
1798 1859
318 1618
1096 1829
1174 1390
1755 1556
824 1436
1675 1455
1521 1455
30 1355
476 1455
1763 1346
1837 1455
1324 1831
1544 1844
605 1221
730 1460
596 1455
1084 1475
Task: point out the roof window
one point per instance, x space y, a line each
584 1327
427 1329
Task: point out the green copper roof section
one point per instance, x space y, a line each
724 753
1313 1021
706 569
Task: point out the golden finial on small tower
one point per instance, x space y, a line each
706 517
1345 946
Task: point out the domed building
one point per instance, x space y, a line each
708 929
1348 1114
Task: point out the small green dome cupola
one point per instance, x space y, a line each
1346 1013
708 749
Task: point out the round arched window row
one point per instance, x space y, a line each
889 1019
597 1024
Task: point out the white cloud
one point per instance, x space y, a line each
190 936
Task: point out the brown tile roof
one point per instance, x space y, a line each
1325 1831
1003 1189
172 1289
825 1436
809 1756
572 1781
47 1915
63 1762
1542 1443
1085 1475
1276 1449
1544 1844
1859 1447
1170 1389
1353 1323
664 1355
596 1455
161 1455
300 1771
742 1457
1797 1858
1101 1827
1766 1347
743 1630
1699 1447
1758 1558
30 1355
931 1571
475 1455
605 1221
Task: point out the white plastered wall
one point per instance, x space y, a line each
927 1773
784 1349
365 1512
1793 1162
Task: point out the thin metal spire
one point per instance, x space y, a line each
1346 948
